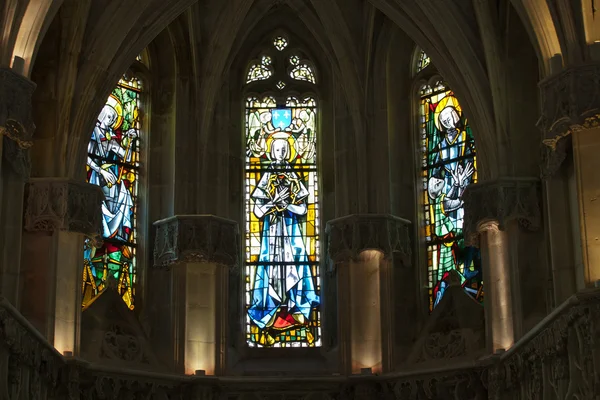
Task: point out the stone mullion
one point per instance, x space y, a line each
362 247
199 251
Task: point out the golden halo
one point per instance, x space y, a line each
285 136
443 103
118 107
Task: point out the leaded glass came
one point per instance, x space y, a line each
112 164
448 167
282 224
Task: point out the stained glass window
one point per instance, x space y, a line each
260 71
301 70
112 164
282 279
448 167
423 61
280 43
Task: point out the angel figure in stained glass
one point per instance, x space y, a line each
106 151
453 169
284 293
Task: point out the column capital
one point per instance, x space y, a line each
196 238
569 100
16 120
500 201
63 204
350 235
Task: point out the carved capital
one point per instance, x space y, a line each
63 204
501 201
16 121
569 99
351 235
196 238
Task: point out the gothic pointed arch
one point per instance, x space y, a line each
447 164
282 227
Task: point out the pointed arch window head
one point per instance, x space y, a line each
260 71
448 165
113 164
423 61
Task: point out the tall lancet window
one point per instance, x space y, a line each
448 166
282 282
113 164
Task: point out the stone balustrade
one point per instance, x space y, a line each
558 359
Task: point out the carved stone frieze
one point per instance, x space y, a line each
349 236
16 121
196 238
568 99
63 204
501 201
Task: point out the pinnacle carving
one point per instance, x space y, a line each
353 234
63 204
196 238
501 201
16 121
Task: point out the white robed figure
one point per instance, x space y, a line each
117 208
283 293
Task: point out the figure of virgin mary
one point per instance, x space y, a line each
284 292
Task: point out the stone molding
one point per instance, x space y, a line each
569 99
349 236
61 204
500 201
16 120
196 238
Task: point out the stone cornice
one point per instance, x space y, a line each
569 99
500 201
196 238
63 204
350 235
16 121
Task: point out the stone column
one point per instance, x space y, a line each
364 248
570 123
59 213
16 130
200 249
499 215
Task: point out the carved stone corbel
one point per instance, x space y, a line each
501 201
16 121
196 238
353 234
61 204
569 99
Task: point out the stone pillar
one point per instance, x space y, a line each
499 216
200 249
16 130
570 136
364 248
59 213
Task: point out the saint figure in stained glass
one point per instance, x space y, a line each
112 164
282 239
449 167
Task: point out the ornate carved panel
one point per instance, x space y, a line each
569 99
349 236
63 204
500 201
16 122
196 238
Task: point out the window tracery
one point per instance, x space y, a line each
282 249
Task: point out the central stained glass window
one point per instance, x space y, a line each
282 224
